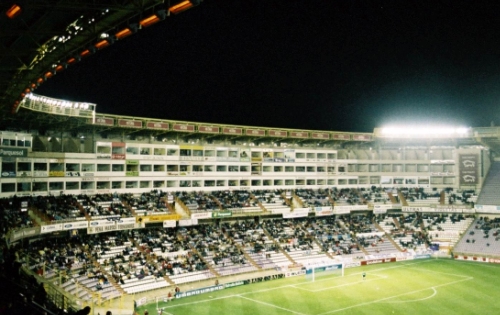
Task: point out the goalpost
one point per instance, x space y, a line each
324 270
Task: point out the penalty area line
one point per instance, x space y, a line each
201 301
394 296
271 305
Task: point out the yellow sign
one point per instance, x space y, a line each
157 218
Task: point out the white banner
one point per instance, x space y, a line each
169 223
101 228
75 225
487 209
127 226
323 208
386 207
449 210
348 209
126 220
323 213
50 228
341 210
294 214
301 210
379 210
101 223
279 210
201 215
415 209
185 222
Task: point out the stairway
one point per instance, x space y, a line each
396 223
212 270
377 226
83 211
404 202
392 198
149 259
360 195
287 202
489 192
104 272
217 201
362 248
389 237
442 198
129 207
38 217
169 207
278 245
248 258
183 207
298 201
252 197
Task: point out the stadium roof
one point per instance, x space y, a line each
38 38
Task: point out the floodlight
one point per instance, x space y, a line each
424 131
183 6
159 15
101 44
13 11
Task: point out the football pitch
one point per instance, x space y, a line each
412 287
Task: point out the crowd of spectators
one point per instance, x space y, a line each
136 258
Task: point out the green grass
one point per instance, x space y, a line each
410 287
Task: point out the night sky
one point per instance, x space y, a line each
342 65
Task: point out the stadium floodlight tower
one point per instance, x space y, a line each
56 106
422 132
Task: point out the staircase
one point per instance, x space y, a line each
360 195
217 201
315 240
278 246
392 198
183 206
252 197
212 270
332 202
129 208
169 207
362 248
149 259
404 202
287 202
377 226
396 223
38 217
298 201
489 192
83 211
104 272
248 258
442 198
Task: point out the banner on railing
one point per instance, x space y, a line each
169 223
323 211
75 225
201 215
51 228
157 218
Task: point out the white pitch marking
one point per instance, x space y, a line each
394 296
269 304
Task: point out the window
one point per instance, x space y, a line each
103 167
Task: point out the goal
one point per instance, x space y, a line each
334 269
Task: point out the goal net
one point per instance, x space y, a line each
320 271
